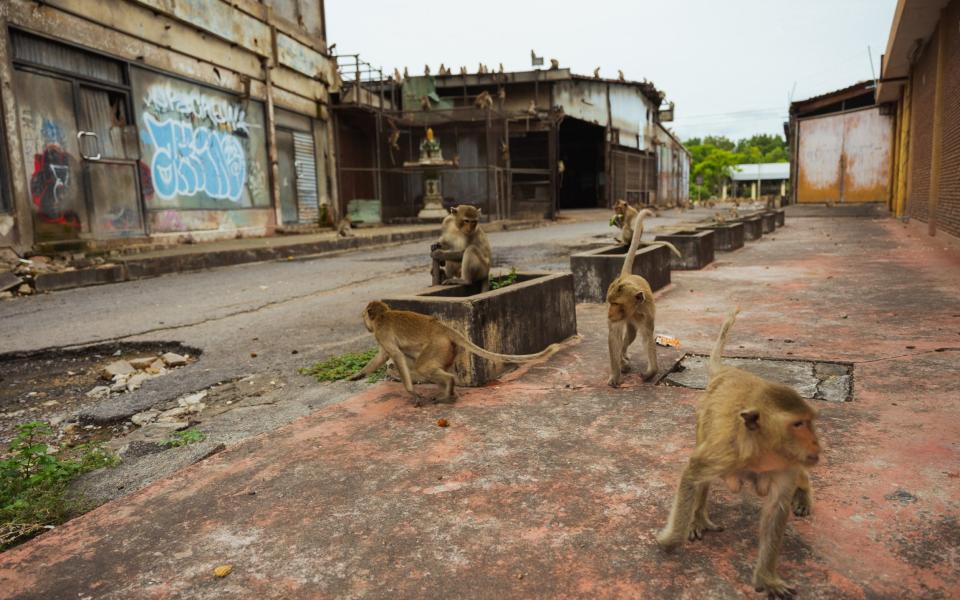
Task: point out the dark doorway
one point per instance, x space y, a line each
581 150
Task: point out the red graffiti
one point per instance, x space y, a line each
51 186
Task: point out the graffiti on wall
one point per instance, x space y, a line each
50 183
188 160
204 149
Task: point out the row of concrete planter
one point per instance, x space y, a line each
539 309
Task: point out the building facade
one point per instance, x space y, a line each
145 120
525 144
920 80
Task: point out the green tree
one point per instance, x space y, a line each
712 156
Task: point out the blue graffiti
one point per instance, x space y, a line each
190 160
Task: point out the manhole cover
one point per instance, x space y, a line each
829 381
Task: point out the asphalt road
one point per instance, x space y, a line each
309 305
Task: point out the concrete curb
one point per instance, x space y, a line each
133 268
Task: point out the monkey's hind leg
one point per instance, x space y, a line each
681 515
650 345
701 520
615 337
803 496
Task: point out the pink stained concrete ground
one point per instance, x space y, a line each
550 484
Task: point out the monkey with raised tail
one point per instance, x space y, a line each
748 429
460 233
630 311
422 347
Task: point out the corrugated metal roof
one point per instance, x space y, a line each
762 171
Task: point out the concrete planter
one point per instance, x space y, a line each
521 318
594 270
695 246
781 216
752 227
769 221
726 236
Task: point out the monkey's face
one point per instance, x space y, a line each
467 219
620 207
802 442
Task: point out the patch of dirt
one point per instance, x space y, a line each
52 386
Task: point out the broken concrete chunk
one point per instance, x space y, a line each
192 399
144 417
173 413
101 391
119 367
136 380
25 289
142 363
9 281
172 359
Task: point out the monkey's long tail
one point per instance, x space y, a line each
716 361
462 341
635 241
668 245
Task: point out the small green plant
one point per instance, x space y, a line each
343 366
33 482
504 280
182 438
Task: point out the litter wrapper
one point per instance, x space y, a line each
664 340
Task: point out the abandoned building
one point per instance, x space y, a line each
129 121
919 79
841 145
523 144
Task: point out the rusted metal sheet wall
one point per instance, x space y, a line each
582 100
630 115
630 111
845 157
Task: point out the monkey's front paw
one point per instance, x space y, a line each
776 589
648 375
625 366
613 381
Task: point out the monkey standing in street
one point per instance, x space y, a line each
423 347
460 232
630 311
754 430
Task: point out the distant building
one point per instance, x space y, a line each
526 143
759 181
919 82
841 144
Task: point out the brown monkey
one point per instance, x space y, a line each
423 347
484 100
631 311
748 429
596 73
554 64
460 232
627 215
344 227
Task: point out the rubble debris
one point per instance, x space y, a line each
101 391
172 359
136 380
119 367
142 418
142 363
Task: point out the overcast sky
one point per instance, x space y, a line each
729 65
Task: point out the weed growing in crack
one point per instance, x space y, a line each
343 366
504 280
34 481
182 438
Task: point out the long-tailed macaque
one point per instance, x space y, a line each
748 429
627 215
422 347
461 232
630 311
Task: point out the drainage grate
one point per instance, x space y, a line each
829 381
